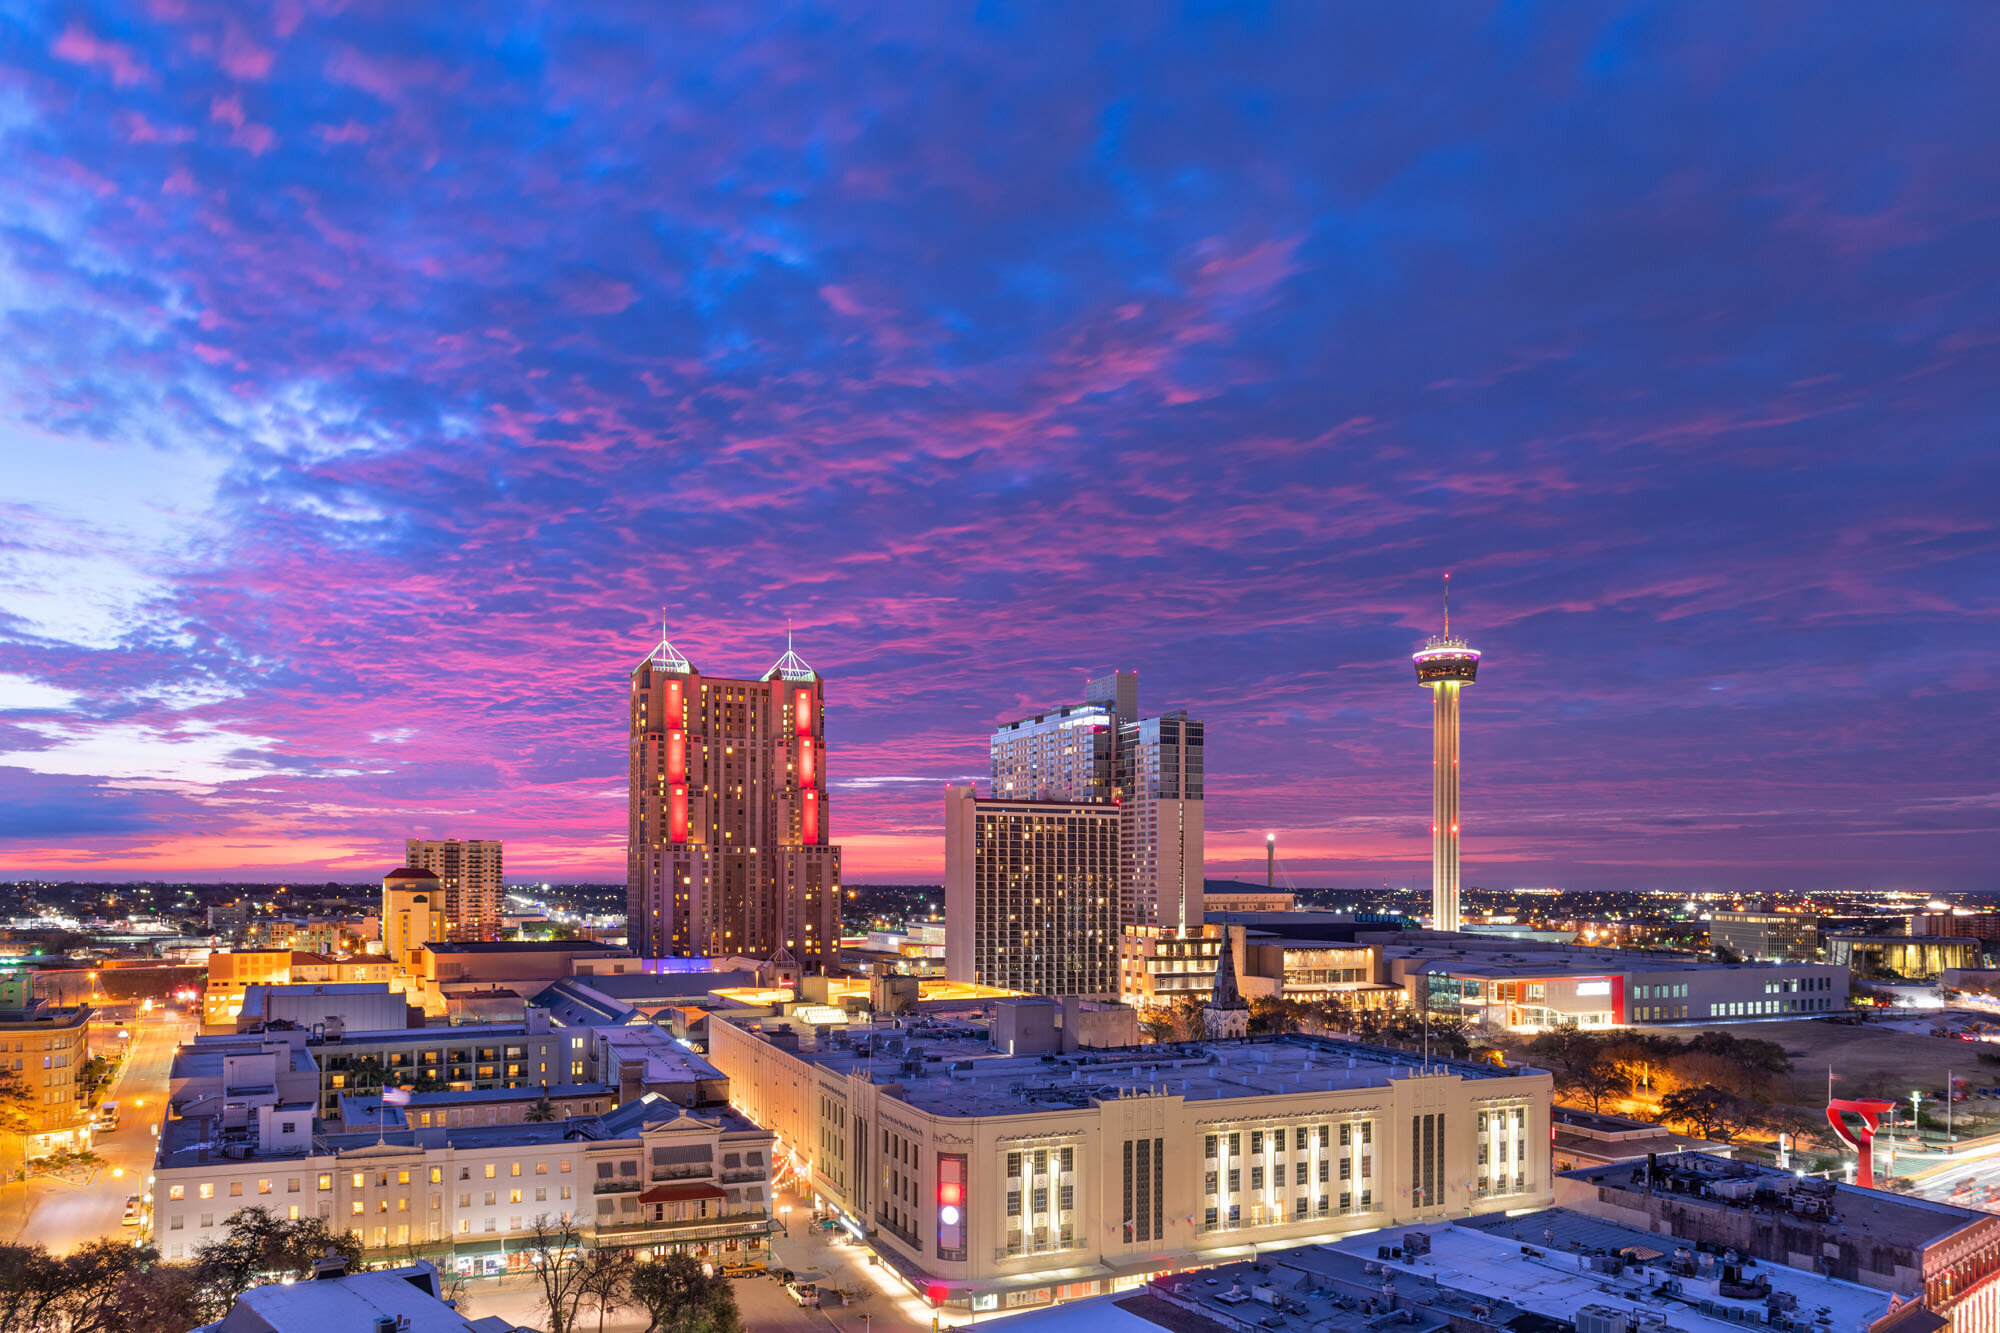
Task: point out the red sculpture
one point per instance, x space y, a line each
1870 1110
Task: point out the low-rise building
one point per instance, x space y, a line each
230 975
476 1107
1767 936
976 1172
1592 1138
650 1175
408 1300
1912 957
1526 986
361 1005
46 1046
1934 1255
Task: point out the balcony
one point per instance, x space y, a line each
627 1186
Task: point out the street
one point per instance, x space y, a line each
63 1214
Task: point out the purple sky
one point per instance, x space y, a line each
372 374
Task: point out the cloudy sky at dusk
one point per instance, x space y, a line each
372 375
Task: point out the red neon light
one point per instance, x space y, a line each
677 757
677 814
673 692
950 1192
935 1293
802 713
806 763
811 819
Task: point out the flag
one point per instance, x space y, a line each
397 1096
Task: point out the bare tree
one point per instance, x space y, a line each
607 1281
556 1249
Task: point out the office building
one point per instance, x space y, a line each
1957 922
1766 936
651 1176
1101 751
230 975
1935 1257
976 1172
468 876
1031 894
1444 667
48 1046
729 850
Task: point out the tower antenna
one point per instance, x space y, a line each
1447 606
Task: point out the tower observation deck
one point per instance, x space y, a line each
1445 665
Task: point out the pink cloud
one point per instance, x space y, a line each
79 47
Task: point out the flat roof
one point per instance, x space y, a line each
1535 1261
1895 1219
525 946
959 1073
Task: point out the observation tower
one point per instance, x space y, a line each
1445 666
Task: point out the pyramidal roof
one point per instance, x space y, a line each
791 666
667 657
1227 996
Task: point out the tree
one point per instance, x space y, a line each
1710 1112
1180 1021
607 1281
1594 1082
17 1119
555 1248
74 1293
159 1298
95 1074
679 1298
259 1246
542 1111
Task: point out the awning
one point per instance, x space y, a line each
681 1193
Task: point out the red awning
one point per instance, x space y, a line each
680 1193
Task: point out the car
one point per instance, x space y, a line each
135 1211
742 1270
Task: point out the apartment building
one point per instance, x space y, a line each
468 874
46 1046
649 1176
981 1175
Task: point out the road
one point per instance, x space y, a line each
883 1306
63 1214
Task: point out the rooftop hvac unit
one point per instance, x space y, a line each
1601 1319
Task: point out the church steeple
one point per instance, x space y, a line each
1227 1013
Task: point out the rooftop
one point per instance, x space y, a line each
945 1066
524 946
1715 1182
407 1298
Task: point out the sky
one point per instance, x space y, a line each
374 377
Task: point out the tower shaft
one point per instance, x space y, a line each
1444 805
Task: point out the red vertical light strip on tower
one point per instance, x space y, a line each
802 713
677 814
811 819
806 779
677 757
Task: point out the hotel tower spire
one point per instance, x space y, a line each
1444 666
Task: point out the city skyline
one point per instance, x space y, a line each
369 386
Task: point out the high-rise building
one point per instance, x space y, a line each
468 875
728 849
1101 751
1160 815
1031 894
1444 666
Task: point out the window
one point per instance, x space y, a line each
176 1191
357 1179
357 1207
263 1187
437 1175
514 1170
513 1196
206 1191
491 1170
325 1180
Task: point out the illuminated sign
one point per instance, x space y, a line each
951 1205
1593 988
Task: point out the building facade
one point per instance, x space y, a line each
1160 795
469 877
1031 894
649 1176
1790 937
1914 957
975 1174
729 849
46 1046
412 914
1101 751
